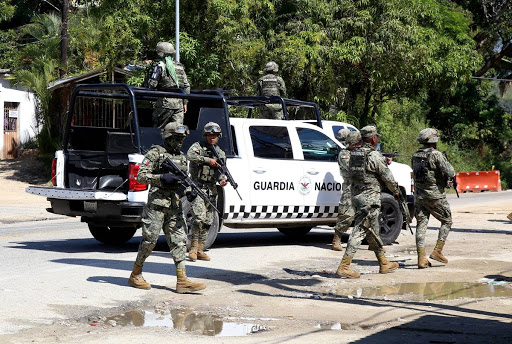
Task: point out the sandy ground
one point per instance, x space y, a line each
290 294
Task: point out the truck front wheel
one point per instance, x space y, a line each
391 219
212 231
111 235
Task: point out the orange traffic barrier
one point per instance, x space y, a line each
478 181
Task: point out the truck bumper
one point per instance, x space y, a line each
104 212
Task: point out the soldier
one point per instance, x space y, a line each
345 209
271 84
168 74
163 209
367 171
203 171
431 172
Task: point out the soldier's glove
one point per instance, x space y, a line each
169 179
191 195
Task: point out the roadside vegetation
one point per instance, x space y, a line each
401 64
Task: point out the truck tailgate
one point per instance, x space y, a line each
81 195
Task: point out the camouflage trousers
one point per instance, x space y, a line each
164 116
366 226
440 209
203 215
271 111
346 213
170 220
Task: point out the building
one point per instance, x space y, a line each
19 123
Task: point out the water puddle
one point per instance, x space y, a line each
432 290
185 320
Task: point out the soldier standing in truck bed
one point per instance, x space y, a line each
431 171
271 84
166 74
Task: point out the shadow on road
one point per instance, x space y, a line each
317 238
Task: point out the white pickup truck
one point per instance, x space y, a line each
286 170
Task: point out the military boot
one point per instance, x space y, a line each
385 265
136 280
184 285
336 242
437 255
200 253
344 268
423 262
192 254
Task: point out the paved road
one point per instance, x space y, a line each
54 270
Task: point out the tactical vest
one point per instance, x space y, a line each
179 159
422 171
358 167
269 85
202 172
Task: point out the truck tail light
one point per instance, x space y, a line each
54 172
133 170
412 184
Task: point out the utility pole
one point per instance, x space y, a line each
177 30
64 37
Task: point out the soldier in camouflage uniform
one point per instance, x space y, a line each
431 172
203 171
368 170
271 84
163 210
168 74
345 209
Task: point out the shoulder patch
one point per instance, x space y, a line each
145 161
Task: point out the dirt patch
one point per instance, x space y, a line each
29 168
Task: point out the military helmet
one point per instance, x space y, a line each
212 128
175 129
428 135
271 67
342 134
353 138
165 49
369 131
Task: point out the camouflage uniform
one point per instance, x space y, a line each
168 110
368 170
206 178
345 209
271 84
366 189
163 210
431 173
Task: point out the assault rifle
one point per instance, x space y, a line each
185 179
404 208
224 169
451 181
395 154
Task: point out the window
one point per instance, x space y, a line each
316 145
10 116
271 142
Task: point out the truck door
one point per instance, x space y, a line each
274 171
321 171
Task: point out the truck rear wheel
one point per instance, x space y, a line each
111 235
390 220
212 231
295 231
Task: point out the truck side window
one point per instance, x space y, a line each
271 142
316 145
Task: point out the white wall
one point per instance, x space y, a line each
26 112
